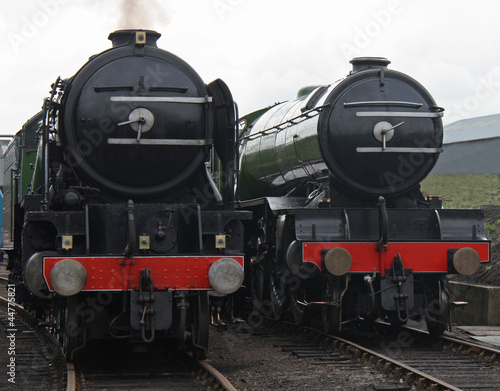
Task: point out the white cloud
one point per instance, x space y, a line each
264 50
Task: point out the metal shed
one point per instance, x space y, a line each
471 146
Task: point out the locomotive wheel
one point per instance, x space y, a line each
297 292
71 326
436 317
259 285
199 328
277 292
331 314
58 316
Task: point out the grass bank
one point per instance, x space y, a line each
464 190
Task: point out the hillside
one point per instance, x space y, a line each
464 190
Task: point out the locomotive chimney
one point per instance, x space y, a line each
134 37
364 63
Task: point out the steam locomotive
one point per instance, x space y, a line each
339 222
128 221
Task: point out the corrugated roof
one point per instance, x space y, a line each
472 129
3 145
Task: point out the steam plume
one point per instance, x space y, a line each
143 14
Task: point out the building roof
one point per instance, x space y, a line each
470 129
4 143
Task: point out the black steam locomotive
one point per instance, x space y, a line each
339 221
129 223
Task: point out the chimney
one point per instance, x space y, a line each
134 37
364 63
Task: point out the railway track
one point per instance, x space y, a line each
116 366
459 364
410 359
30 354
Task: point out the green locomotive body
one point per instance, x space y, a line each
19 161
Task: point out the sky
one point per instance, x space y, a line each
264 50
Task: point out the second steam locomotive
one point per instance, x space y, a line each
128 222
340 224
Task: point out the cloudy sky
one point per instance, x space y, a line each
265 50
